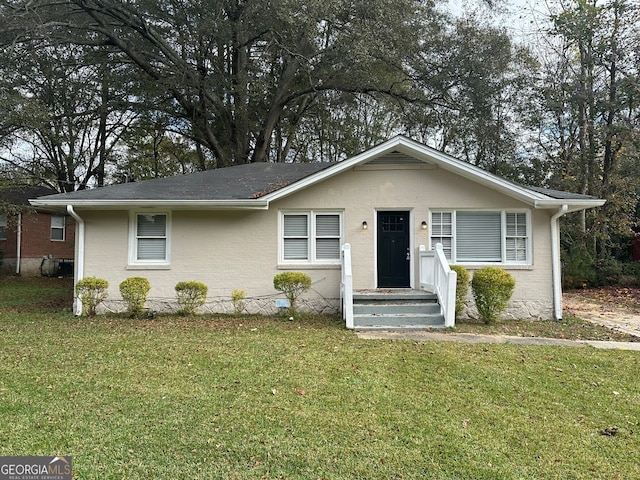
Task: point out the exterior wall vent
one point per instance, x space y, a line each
395 158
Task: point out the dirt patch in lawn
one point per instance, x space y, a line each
615 307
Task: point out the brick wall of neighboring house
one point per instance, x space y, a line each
36 242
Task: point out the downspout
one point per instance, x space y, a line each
19 243
555 261
79 264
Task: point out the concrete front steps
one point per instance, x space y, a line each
396 309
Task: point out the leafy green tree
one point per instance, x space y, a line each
61 115
234 74
473 78
151 150
590 116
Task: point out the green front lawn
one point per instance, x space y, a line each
570 328
255 397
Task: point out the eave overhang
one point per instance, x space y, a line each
573 205
151 203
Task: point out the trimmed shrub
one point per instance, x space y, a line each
134 291
91 291
237 297
191 296
462 287
292 284
492 289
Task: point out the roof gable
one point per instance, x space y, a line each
403 152
255 185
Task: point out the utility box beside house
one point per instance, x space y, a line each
34 241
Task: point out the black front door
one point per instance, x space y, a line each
393 249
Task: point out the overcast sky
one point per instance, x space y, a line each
518 16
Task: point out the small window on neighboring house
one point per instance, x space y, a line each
469 236
150 238
311 237
3 227
57 227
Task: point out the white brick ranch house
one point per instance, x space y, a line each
360 228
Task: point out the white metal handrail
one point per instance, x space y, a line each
346 287
436 275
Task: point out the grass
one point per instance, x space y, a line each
254 397
35 293
570 327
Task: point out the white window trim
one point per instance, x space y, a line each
503 236
63 228
133 240
311 214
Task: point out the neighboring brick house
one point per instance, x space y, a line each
34 241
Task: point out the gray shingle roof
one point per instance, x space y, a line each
560 195
249 181
255 185
20 195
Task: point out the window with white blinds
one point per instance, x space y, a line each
310 237
516 238
470 236
442 231
296 237
327 237
151 238
478 237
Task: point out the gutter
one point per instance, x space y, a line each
260 204
79 269
19 243
555 262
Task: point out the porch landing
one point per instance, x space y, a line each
396 309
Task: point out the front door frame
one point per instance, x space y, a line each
409 212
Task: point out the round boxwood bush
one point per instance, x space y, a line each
292 284
91 292
462 287
238 298
492 288
134 291
191 296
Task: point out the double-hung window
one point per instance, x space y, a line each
517 237
442 231
57 228
310 237
3 227
471 236
149 238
